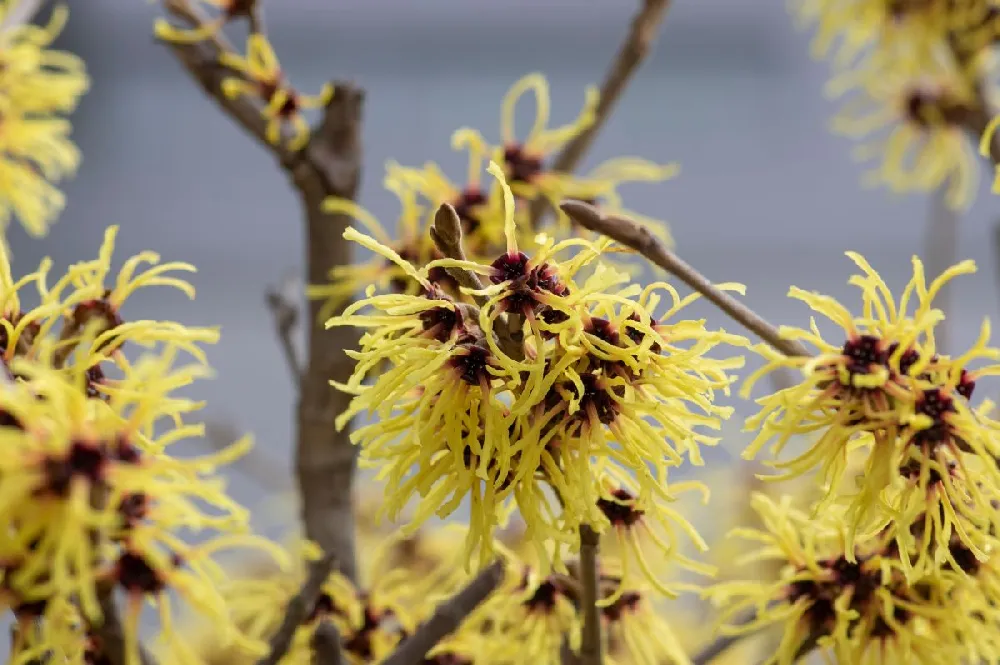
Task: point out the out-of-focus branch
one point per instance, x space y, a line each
329 165
630 55
723 643
285 313
591 650
326 645
637 237
447 617
299 608
110 635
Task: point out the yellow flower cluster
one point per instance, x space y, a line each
860 605
525 621
90 499
480 205
569 399
256 75
38 87
918 74
895 561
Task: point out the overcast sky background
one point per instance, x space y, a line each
766 195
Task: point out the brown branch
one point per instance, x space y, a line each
723 643
201 60
447 617
631 53
329 165
110 635
299 608
326 645
286 316
591 650
634 235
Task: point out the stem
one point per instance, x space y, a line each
630 55
110 633
447 617
637 237
591 650
299 608
329 165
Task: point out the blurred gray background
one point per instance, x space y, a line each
766 195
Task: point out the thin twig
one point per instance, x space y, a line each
723 643
329 165
110 635
299 608
286 317
446 232
591 650
447 617
631 53
634 235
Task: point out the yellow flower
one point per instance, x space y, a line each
531 622
83 502
643 527
261 78
849 28
411 241
637 633
480 208
228 11
523 156
918 113
470 408
885 391
37 85
856 608
257 598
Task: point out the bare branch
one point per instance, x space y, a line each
110 635
630 55
286 317
201 60
299 608
723 643
326 645
591 650
329 165
633 235
447 617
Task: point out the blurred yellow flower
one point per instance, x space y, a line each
38 85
